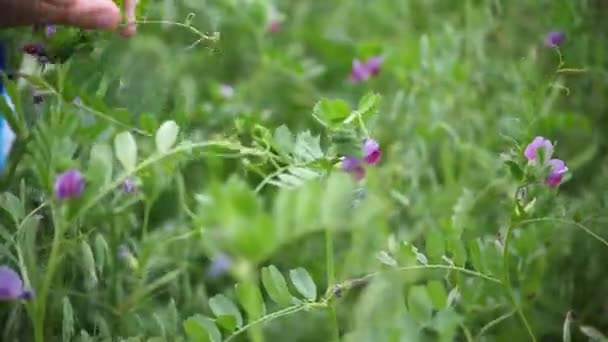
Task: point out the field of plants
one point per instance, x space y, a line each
308 171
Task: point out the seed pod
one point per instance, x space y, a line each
88 265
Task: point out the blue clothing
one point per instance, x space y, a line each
7 136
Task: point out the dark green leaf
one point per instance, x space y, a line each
515 170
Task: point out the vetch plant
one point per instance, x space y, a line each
141 201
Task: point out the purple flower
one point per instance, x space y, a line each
359 72
226 90
11 285
220 265
374 65
558 169
77 100
363 71
371 151
354 167
531 151
50 30
129 186
554 39
69 184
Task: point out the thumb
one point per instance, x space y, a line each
89 14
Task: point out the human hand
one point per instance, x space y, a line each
85 14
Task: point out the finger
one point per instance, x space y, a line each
129 7
88 14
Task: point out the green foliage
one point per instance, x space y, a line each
453 235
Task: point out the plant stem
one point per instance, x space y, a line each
331 279
507 280
48 278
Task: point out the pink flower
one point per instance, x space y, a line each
531 151
360 72
354 167
371 151
374 65
363 71
69 184
558 169
274 26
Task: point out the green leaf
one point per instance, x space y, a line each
475 253
166 136
438 295
13 206
434 244
148 122
331 112
276 286
386 259
101 250
367 108
284 141
88 264
67 330
251 300
228 322
303 283
202 329
125 148
100 163
222 306
515 170
307 148
447 322
419 303
369 105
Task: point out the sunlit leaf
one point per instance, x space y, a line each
202 329
166 136
222 306
303 283
125 149
275 285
